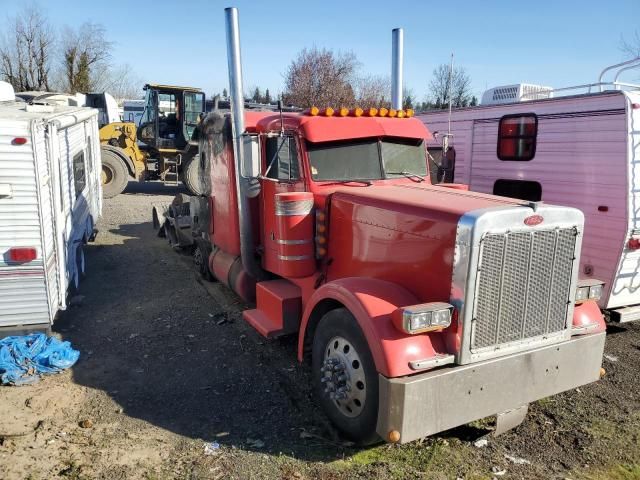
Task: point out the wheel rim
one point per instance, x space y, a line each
106 175
343 377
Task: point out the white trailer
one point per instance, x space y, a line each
133 110
50 201
580 150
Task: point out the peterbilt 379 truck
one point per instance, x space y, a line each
419 307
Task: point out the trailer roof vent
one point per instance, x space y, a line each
520 92
6 92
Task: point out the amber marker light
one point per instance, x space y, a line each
313 111
383 112
343 112
328 112
356 112
371 112
393 113
409 112
393 436
401 114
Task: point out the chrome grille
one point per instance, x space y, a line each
523 285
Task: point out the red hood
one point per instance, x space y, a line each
416 197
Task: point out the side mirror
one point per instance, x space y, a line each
251 156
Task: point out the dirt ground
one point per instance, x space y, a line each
168 365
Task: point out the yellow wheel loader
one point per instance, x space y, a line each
163 147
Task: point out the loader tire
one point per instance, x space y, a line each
115 175
191 176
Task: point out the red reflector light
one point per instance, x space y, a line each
633 243
635 106
603 208
533 220
19 141
22 254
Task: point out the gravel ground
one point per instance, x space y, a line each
167 364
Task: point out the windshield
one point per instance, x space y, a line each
370 159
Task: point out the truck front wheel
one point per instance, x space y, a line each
115 175
344 376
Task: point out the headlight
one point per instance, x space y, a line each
590 289
423 318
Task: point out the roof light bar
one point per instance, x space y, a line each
359 112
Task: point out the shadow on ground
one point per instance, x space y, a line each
168 353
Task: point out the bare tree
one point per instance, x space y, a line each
86 55
121 82
460 87
631 46
372 91
320 77
26 51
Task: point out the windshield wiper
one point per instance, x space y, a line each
366 183
411 175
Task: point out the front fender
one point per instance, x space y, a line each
371 302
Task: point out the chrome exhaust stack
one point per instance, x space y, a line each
397 60
236 94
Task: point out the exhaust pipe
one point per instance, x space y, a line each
236 94
397 52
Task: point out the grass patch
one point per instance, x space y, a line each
604 429
619 472
432 457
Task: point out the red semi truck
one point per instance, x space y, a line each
420 307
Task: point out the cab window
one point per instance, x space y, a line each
193 107
281 156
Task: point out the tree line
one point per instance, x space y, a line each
34 56
323 77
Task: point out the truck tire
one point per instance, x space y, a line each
344 376
201 254
191 176
115 175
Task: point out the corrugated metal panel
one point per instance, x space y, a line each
44 211
23 296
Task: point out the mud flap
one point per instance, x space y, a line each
509 419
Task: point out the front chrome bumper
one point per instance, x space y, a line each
431 402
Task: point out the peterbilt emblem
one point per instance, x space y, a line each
533 220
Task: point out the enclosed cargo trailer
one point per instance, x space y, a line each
50 201
580 150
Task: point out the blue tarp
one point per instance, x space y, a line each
24 358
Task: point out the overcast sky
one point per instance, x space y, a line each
556 43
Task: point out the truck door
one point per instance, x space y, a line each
281 169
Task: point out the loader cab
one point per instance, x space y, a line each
171 115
